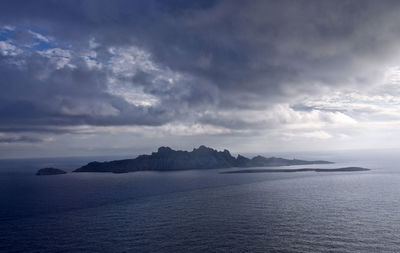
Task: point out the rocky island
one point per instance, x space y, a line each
49 171
167 159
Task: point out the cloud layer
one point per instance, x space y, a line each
280 71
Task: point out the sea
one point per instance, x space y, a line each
203 210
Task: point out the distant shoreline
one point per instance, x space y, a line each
167 159
345 169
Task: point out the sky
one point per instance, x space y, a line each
101 77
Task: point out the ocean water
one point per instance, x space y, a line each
202 211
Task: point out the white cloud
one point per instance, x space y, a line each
362 107
133 95
8 49
125 64
127 61
90 109
8 28
91 60
60 57
312 135
392 75
40 37
179 129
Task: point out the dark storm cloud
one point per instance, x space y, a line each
24 139
234 55
65 97
36 129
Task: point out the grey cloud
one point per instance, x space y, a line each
20 139
308 108
37 129
36 94
233 55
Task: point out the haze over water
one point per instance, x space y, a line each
197 211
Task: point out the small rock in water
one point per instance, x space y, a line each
49 171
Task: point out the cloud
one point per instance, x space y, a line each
312 68
8 49
39 36
59 57
313 134
20 139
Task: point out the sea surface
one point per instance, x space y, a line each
202 211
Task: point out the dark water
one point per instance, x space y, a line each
201 211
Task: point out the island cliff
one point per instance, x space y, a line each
166 159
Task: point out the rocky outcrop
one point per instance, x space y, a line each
166 159
49 172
